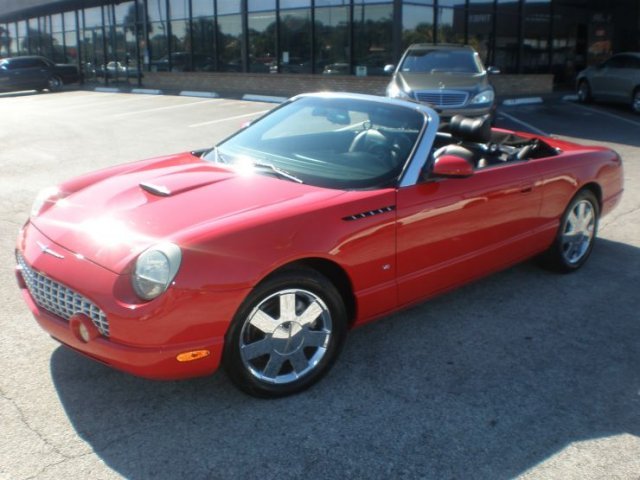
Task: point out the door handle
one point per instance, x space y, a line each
528 188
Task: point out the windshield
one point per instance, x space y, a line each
328 142
434 61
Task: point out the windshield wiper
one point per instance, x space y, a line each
218 157
277 170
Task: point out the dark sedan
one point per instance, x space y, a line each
35 73
450 78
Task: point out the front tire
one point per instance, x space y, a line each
286 335
576 235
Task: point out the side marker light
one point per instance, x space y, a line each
193 355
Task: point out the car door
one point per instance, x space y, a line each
15 74
453 230
36 73
605 81
630 78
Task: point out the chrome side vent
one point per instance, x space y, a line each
370 213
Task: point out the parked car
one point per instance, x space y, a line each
185 62
615 80
449 78
328 212
35 73
117 70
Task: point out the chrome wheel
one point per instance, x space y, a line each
285 336
635 104
579 231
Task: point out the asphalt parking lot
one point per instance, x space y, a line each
524 374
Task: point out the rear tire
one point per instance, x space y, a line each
286 335
576 234
584 92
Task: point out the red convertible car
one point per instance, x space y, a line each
330 211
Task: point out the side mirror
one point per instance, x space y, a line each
493 70
388 69
451 166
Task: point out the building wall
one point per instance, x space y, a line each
287 85
330 37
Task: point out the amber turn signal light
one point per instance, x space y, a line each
193 355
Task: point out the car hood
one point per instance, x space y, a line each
434 81
112 220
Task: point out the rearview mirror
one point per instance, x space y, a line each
451 166
388 69
493 70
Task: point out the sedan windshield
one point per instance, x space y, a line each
434 61
329 142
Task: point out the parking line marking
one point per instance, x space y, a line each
168 107
227 118
605 113
524 124
120 98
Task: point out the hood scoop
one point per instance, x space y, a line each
159 190
172 184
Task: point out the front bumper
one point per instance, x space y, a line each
144 338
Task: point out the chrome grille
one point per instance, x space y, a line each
443 98
60 299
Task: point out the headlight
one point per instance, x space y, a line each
485 96
394 91
46 195
155 269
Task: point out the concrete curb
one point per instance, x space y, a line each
522 101
147 91
263 98
107 90
191 93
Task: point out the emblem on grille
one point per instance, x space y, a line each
49 251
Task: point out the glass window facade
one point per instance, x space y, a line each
329 37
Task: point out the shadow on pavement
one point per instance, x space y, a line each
485 382
602 123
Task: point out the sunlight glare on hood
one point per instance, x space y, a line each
108 231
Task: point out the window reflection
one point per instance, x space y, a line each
295 40
262 40
417 25
373 26
332 38
230 43
203 28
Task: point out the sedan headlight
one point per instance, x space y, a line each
486 96
394 91
155 269
45 196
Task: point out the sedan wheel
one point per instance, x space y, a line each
287 334
584 92
576 235
635 104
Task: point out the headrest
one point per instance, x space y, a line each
476 130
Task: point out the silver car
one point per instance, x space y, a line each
450 78
615 80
